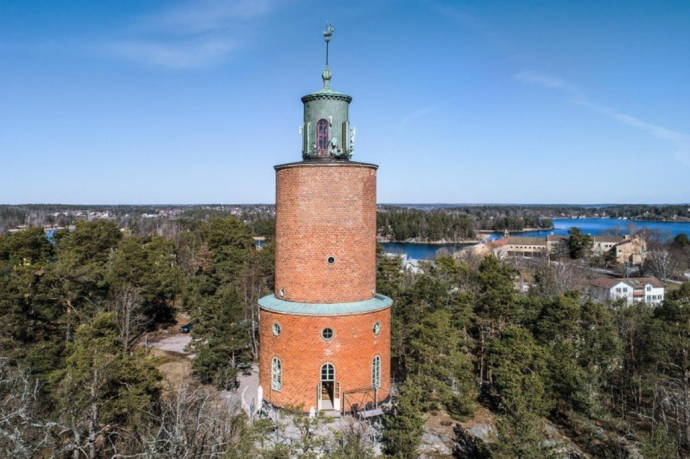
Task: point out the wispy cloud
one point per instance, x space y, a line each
548 82
577 97
476 25
192 34
421 113
459 14
173 55
202 16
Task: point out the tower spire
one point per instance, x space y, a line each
326 130
327 34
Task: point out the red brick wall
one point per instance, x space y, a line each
302 351
325 210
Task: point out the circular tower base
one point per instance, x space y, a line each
304 365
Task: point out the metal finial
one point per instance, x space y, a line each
327 34
328 31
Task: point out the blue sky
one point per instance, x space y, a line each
468 102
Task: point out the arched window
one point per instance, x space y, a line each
322 137
327 372
376 372
276 374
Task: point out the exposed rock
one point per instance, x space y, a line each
482 426
468 445
433 446
481 431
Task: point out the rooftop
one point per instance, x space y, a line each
634 282
611 239
526 240
274 304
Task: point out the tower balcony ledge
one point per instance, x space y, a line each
327 94
273 304
325 162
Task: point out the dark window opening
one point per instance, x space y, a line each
322 137
327 333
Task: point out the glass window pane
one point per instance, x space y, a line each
376 371
276 374
322 135
327 372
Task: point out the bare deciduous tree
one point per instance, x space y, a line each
671 406
558 277
23 432
131 322
189 422
661 262
568 276
354 439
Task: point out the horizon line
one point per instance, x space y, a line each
448 204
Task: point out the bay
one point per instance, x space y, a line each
601 226
421 251
592 226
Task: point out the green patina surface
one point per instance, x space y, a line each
332 107
274 304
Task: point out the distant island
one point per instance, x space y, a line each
409 223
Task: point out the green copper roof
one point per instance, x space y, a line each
326 93
274 304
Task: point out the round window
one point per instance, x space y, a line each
327 334
331 260
377 328
276 329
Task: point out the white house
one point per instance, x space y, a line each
632 289
412 266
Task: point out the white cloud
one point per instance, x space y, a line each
681 141
192 34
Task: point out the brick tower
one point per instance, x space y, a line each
325 333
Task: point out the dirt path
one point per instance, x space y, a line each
246 394
174 343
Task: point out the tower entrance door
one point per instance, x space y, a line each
328 390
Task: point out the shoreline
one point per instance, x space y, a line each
652 221
483 233
464 242
524 230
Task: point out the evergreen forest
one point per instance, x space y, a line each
548 373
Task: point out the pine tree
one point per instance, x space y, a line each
579 245
519 436
660 445
101 387
220 338
516 366
434 360
405 427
